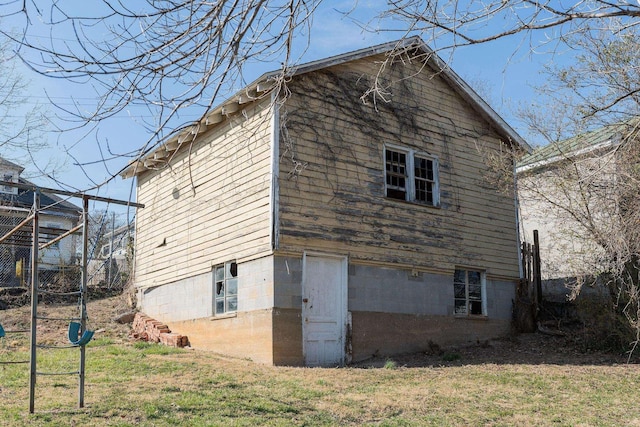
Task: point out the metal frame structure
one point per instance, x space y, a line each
34 218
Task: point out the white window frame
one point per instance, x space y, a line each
410 179
222 284
465 310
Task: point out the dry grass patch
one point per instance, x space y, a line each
146 384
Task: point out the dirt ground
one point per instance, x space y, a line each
101 315
531 348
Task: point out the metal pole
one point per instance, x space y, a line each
537 269
34 299
110 260
83 294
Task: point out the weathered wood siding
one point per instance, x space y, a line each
211 205
332 173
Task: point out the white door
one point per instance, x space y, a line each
324 310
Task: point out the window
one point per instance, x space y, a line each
225 282
8 188
411 176
54 231
469 293
104 251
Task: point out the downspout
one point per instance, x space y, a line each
137 293
275 162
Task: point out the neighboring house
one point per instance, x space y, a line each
318 229
112 259
568 192
56 217
118 244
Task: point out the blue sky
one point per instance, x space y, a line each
502 77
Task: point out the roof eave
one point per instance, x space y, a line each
609 143
266 82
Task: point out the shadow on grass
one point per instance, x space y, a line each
521 349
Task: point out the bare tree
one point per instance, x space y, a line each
21 123
453 23
582 188
174 56
164 56
583 195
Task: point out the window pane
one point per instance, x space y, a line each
476 307
424 182
396 181
459 290
471 282
219 306
232 287
232 304
396 174
424 179
459 276
219 273
420 170
219 289
475 292
396 194
423 168
424 192
474 277
460 307
231 269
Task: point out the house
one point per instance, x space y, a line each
570 191
314 226
111 263
56 217
117 243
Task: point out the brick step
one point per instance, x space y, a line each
147 329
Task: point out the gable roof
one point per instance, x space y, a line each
6 163
605 137
50 203
24 197
265 83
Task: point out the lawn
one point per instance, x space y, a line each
136 383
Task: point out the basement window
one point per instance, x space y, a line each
225 287
411 176
469 289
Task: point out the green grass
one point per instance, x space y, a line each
151 385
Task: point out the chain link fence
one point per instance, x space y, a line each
110 252
109 256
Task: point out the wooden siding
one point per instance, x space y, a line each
212 205
336 202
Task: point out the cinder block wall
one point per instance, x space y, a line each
187 307
287 319
394 311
